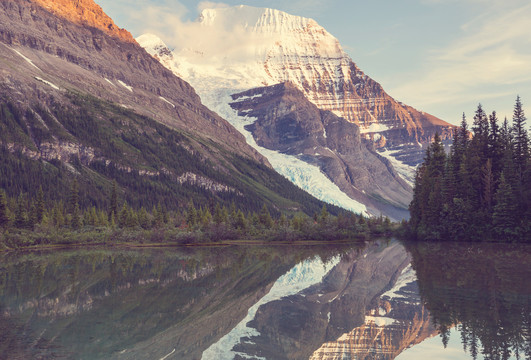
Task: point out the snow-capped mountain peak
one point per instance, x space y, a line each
230 50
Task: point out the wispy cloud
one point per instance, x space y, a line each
491 58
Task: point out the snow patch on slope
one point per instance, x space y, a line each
47 83
300 277
407 172
110 82
374 127
130 88
166 100
27 59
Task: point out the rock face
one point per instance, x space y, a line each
50 48
85 12
275 47
287 122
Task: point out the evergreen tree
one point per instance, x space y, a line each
488 185
20 213
143 218
240 222
4 219
191 215
206 218
521 140
265 217
123 216
495 145
481 132
505 214
74 196
76 217
218 214
113 208
323 217
39 205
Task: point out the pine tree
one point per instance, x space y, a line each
240 222
505 213
20 213
218 214
76 217
521 140
265 217
323 217
40 205
191 215
74 196
74 206
4 219
113 208
495 145
206 218
481 132
143 218
123 216
488 185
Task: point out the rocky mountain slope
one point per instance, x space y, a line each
265 47
287 122
270 47
81 98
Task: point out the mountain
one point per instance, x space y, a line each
80 98
287 122
265 47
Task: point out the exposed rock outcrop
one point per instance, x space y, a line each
52 48
85 12
287 122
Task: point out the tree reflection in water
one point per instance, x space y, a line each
483 289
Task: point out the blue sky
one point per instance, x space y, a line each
440 56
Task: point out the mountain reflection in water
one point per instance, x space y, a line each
177 303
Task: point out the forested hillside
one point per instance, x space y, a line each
95 142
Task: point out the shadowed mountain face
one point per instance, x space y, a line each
287 122
78 96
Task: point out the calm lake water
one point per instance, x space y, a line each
377 300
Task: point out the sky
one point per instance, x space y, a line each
443 57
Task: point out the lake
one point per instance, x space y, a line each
376 300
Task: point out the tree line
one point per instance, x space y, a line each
481 189
212 221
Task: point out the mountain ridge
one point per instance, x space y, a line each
272 47
77 102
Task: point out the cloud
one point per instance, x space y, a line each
491 58
210 5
